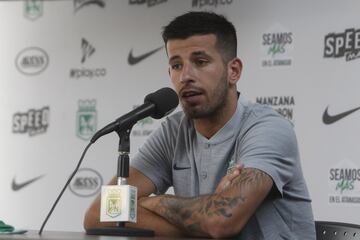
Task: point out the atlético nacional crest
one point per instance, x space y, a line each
33 9
113 204
86 119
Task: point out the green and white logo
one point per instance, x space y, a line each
231 165
344 182
33 9
277 46
86 119
144 127
113 204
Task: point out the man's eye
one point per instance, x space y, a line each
201 62
175 66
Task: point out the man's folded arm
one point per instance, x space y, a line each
145 218
222 214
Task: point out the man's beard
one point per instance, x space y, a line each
217 102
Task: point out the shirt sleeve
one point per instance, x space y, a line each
270 145
154 157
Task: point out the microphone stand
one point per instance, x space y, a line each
122 179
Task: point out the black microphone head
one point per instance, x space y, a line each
165 101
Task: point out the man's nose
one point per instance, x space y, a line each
187 74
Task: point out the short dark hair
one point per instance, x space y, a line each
201 23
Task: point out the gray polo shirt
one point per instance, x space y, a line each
257 136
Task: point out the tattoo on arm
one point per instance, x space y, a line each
188 213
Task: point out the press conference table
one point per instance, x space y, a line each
59 235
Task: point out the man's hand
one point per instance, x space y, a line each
225 182
149 220
146 219
149 202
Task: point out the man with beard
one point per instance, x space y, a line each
198 152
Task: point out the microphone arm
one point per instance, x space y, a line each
157 105
123 160
154 106
122 126
126 121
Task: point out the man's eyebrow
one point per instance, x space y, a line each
174 58
193 54
200 53
196 53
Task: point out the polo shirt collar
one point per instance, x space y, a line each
228 130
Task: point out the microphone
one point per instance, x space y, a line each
157 105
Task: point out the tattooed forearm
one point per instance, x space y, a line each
251 177
188 212
191 213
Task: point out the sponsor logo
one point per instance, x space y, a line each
282 104
277 45
33 122
230 165
33 9
345 44
79 4
132 60
329 119
113 203
87 51
16 186
344 183
87 73
87 182
143 127
32 61
210 3
149 3
86 119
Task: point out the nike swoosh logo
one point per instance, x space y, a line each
17 186
132 60
180 168
99 3
329 119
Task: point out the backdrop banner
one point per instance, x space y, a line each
68 68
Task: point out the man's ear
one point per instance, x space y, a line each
234 70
